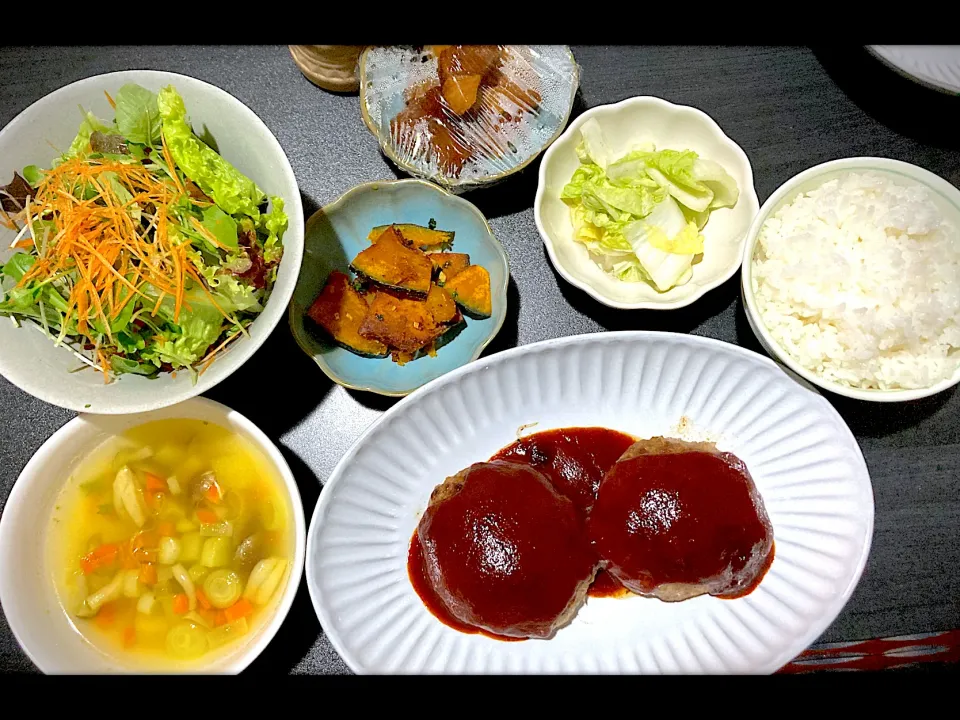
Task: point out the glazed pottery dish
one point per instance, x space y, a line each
465 116
385 514
644 204
138 321
186 560
851 278
335 238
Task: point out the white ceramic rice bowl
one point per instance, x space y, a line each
944 195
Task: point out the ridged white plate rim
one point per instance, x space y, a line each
799 643
924 64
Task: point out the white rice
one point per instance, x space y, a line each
859 281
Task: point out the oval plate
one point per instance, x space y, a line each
336 233
804 459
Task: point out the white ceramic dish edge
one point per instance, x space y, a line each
803 182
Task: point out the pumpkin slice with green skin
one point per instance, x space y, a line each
440 307
470 289
448 265
391 264
422 238
340 310
407 325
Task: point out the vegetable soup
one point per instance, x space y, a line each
171 543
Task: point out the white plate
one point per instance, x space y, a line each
805 461
934 65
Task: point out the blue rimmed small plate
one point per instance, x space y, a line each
335 235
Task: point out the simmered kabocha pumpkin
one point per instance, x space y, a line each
470 288
417 236
395 266
340 310
404 302
448 264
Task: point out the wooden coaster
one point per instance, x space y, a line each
332 67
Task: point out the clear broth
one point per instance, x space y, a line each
228 493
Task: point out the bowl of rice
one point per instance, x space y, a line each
851 279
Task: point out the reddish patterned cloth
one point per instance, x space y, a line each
881 654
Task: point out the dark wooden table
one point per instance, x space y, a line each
788 108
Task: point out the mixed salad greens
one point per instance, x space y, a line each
640 215
143 250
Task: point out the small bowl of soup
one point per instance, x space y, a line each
163 542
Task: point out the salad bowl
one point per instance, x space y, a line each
338 231
29 359
629 123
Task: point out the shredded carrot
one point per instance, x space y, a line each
148 574
155 484
166 528
240 609
207 517
110 100
106 616
99 557
129 636
181 604
202 599
90 231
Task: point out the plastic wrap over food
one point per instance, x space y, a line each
466 115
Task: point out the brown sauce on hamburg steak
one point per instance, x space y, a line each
675 519
575 459
504 552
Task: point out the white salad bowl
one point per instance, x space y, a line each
27 592
625 124
28 358
944 195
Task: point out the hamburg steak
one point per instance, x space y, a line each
675 519
505 552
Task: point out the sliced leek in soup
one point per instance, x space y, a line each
171 543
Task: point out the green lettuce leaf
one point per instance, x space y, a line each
222 226
33 175
18 264
138 116
81 143
275 222
197 328
126 365
234 296
230 189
